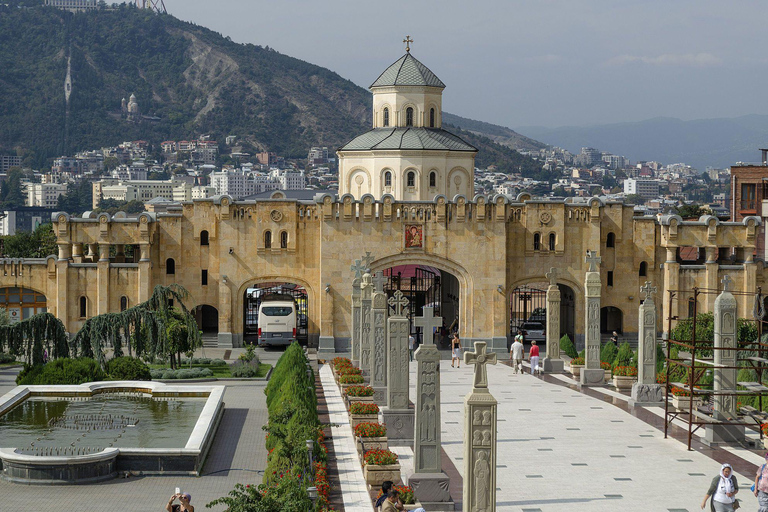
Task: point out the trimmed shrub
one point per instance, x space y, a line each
625 356
7 358
566 346
128 368
61 371
218 362
245 369
608 353
169 374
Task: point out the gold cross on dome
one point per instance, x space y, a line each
408 42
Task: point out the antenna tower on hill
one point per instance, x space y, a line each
155 5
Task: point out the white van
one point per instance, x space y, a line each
277 322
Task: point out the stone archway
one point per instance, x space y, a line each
611 319
22 303
207 318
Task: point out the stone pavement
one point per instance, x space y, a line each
237 455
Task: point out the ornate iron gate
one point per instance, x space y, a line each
254 296
527 305
421 289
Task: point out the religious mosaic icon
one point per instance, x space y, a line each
413 236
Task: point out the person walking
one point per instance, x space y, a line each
761 486
534 357
411 345
456 350
516 353
723 490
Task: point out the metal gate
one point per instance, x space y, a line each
253 297
527 305
421 289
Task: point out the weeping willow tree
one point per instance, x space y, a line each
141 330
30 338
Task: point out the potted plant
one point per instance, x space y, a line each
406 496
346 381
358 394
339 362
681 399
380 466
624 377
373 436
360 412
347 370
577 364
607 369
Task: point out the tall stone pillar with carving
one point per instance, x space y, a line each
646 391
366 324
357 268
226 338
724 407
552 362
430 485
480 436
379 347
592 374
398 415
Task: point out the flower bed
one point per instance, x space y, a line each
371 430
351 379
359 391
625 371
624 377
576 365
380 466
363 412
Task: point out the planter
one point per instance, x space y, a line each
623 383
362 399
608 376
412 506
344 387
377 475
576 370
371 443
356 419
683 403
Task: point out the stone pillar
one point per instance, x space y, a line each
77 253
480 420
552 362
145 273
398 415
646 391
724 407
102 278
430 484
120 253
379 346
366 324
592 374
358 269
711 273
225 336
671 282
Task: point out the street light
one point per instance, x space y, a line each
312 491
310 451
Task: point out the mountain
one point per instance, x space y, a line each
64 75
702 142
500 134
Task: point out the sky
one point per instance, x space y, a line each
528 63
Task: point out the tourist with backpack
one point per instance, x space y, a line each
761 486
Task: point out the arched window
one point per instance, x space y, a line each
536 242
203 238
123 303
283 239
267 239
411 179
386 116
643 269
610 240
431 118
83 307
551 241
409 116
170 267
433 179
387 179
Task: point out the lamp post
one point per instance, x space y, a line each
312 491
310 451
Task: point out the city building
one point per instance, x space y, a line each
749 194
645 188
45 194
24 218
74 5
8 161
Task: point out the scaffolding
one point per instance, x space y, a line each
696 356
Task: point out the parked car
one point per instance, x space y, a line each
533 331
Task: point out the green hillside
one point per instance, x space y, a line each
188 81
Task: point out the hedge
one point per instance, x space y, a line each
61 371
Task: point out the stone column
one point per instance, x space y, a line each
724 407
479 436
77 253
398 415
358 269
102 280
552 362
592 374
366 324
226 338
430 484
646 391
379 347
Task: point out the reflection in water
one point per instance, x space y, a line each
78 425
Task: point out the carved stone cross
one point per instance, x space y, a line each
358 268
594 260
727 283
398 302
648 290
552 276
367 260
480 358
428 324
378 281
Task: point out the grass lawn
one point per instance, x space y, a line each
220 372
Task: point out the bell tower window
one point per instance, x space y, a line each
409 116
387 179
386 116
411 179
433 179
431 118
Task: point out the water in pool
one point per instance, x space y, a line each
41 425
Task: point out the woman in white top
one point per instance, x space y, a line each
723 490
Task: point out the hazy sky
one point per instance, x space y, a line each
537 62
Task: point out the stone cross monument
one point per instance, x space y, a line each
430 485
645 391
379 347
592 374
366 324
479 436
398 416
552 362
358 269
724 407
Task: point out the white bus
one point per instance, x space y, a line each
277 322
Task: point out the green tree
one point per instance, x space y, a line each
79 198
41 243
691 211
634 199
10 191
110 163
